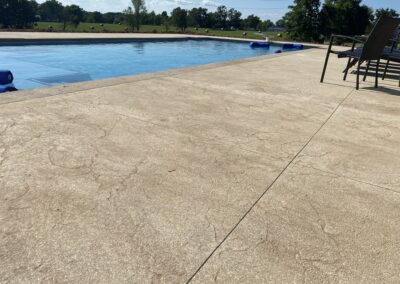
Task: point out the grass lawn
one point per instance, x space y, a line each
95 27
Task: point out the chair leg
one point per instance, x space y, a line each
347 69
328 53
325 65
377 72
386 68
367 70
358 75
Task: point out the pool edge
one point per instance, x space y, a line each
121 38
25 95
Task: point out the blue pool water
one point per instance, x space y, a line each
36 66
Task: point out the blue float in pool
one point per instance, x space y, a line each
6 79
292 46
255 44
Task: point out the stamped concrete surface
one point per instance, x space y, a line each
313 227
243 172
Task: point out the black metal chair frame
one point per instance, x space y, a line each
392 55
372 50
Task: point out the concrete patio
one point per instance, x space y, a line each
240 172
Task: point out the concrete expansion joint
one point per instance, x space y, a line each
271 185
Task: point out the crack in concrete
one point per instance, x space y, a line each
321 222
350 178
13 123
54 163
26 191
267 189
5 147
210 224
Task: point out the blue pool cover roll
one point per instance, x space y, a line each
6 77
255 44
293 46
7 88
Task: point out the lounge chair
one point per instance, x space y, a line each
372 49
392 54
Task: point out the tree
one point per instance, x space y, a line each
138 8
51 11
386 13
129 17
266 25
347 17
234 18
221 17
25 13
113 18
252 22
95 17
179 18
73 15
165 20
17 13
281 23
303 20
197 17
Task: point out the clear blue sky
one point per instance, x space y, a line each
266 9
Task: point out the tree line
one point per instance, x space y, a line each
307 20
21 14
222 18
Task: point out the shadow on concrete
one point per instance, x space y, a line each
382 89
391 89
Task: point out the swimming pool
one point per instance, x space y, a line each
36 66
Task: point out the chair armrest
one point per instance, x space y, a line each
352 38
395 40
394 43
361 37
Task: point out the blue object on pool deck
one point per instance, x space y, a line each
6 77
293 46
255 44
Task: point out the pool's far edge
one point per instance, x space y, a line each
82 38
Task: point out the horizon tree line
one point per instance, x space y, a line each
307 20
